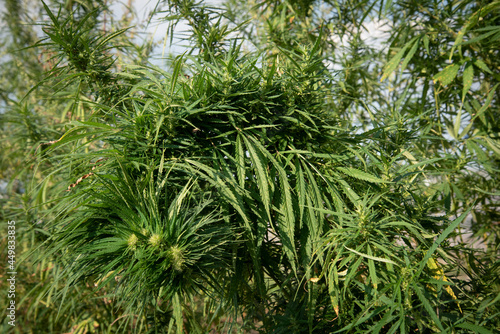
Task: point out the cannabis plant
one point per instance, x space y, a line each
248 184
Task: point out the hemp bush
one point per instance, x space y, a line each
248 184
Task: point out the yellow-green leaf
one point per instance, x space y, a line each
481 65
410 54
447 75
468 76
394 62
358 174
375 258
457 123
487 103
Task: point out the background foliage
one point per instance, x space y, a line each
284 172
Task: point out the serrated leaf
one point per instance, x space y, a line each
353 197
240 162
479 152
438 241
459 38
371 268
358 174
473 20
481 37
287 226
333 290
494 145
177 311
375 258
225 186
301 193
481 65
466 130
410 54
449 127
447 75
468 76
440 276
487 103
426 44
474 328
259 166
457 123
394 62
287 217
128 75
179 62
428 307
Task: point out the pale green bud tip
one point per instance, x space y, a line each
132 241
155 240
177 258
